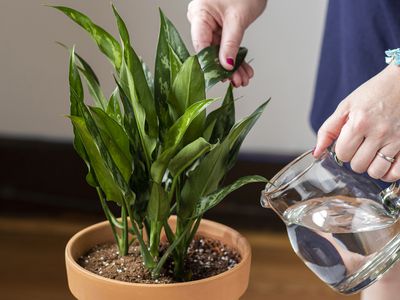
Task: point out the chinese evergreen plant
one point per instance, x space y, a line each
151 148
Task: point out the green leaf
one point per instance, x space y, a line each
188 88
149 76
76 97
134 109
173 37
142 187
117 177
239 132
212 168
188 155
145 97
135 66
162 81
204 179
158 208
213 199
123 31
220 121
174 136
213 71
169 39
116 141
175 65
113 107
87 67
103 174
131 128
94 87
140 182
75 85
105 41
91 79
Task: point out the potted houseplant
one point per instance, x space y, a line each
153 152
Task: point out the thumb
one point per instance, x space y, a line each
232 34
330 131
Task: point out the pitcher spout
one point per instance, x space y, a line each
284 178
264 199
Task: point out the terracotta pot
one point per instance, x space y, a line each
85 285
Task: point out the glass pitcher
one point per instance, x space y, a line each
341 224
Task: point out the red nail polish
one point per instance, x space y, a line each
230 61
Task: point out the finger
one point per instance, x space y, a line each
348 142
232 34
202 27
249 70
244 76
394 172
236 79
364 156
380 166
330 130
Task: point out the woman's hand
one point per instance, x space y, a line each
365 124
224 22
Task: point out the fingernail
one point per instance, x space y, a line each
230 61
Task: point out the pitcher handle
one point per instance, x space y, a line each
391 199
390 196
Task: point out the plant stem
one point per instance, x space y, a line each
185 232
148 259
171 237
194 230
166 254
180 232
168 232
110 217
125 232
155 238
179 257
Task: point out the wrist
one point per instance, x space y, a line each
393 60
393 70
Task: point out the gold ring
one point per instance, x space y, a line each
387 158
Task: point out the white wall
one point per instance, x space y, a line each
284 43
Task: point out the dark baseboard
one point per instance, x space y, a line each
47 177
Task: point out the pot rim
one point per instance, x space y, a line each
246 255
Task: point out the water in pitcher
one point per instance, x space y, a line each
342 238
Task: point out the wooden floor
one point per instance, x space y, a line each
32 265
